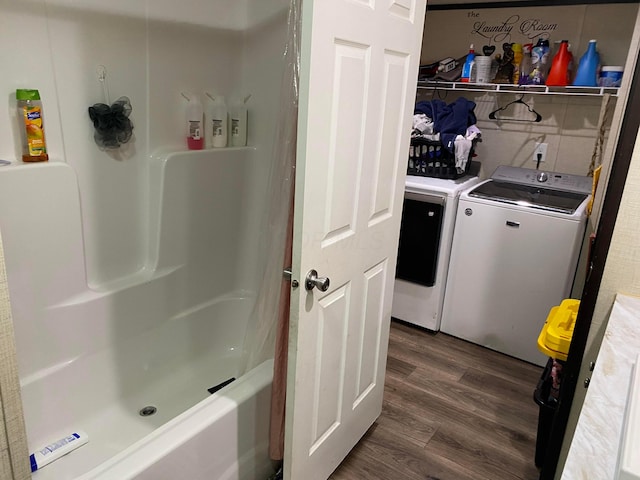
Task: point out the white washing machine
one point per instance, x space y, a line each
517 241
428 218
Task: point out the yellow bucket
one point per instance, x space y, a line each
555 337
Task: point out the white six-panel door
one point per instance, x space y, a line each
357 89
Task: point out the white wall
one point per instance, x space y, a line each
152 51
568 127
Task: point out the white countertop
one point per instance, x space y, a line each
594 449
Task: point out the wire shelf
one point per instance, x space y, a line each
508 88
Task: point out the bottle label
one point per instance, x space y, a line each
235 127
217 128
539 55
35 132
194 129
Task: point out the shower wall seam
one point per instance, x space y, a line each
55 77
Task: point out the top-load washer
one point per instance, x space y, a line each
426 232
514 256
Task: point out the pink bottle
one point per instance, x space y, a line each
194 120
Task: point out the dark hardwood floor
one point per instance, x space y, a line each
452 411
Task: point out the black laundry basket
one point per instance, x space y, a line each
430 159
548 406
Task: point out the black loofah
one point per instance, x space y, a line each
112 124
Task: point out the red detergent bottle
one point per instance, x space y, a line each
561 67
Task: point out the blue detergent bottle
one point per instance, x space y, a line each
587 73
467 68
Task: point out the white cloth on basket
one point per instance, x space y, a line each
462 151
423 124
463 146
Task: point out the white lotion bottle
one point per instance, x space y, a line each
216 119
238 122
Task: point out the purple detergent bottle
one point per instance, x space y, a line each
540 60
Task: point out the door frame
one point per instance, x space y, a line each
600 248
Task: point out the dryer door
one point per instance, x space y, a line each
420 234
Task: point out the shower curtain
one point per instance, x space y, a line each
269 323
14 454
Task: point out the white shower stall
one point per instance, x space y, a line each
133 272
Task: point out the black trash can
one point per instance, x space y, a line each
546 400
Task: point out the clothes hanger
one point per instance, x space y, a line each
538 118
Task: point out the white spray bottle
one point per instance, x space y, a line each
216 121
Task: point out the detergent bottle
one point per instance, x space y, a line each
587 73
467 68
517 60
524 75
540 60
561 66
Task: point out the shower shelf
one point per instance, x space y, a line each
529 89
164 152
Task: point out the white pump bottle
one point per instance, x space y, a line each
238 121
217 123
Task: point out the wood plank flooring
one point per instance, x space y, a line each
452 411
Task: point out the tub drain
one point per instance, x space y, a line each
147 411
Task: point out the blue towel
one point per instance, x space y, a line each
449 120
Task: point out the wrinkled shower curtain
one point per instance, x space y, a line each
269 323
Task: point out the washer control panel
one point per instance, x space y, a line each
550 180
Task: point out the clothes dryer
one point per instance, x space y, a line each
514 256
426 233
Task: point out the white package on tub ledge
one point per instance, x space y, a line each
628 467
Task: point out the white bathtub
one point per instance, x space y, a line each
193 434
91 357
224 437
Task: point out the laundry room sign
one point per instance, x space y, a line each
448 32
497 32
